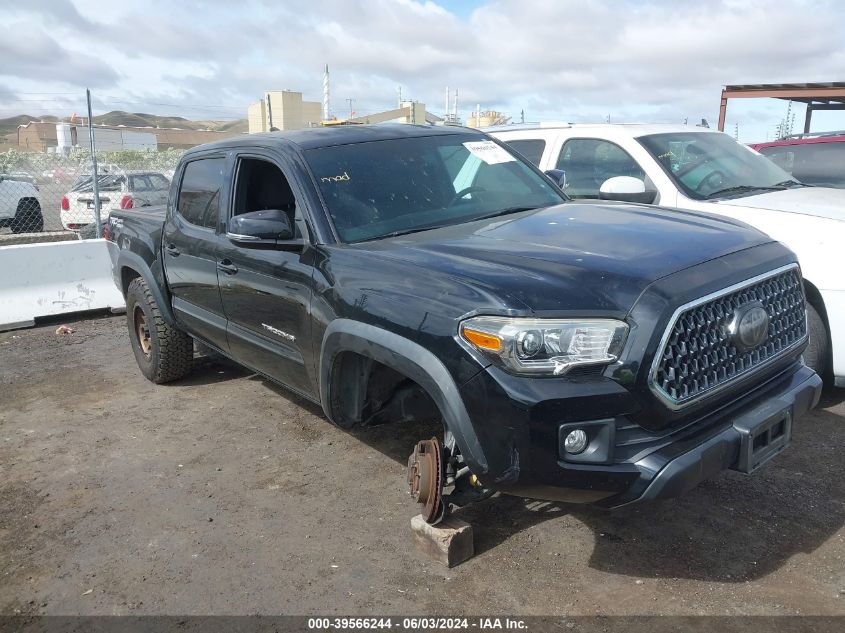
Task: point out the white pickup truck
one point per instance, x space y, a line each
20 204
704 170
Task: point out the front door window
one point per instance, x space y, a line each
589 162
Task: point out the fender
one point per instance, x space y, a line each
411 360
133 261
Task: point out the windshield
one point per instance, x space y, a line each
385 188
705 165
105 182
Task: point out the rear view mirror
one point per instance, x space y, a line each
269 227
559 177
626 189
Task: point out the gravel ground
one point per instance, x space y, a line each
224 494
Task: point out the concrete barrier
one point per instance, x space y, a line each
12 239
38 280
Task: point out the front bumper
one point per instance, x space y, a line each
521 434
666 473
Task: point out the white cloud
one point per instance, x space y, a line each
566 59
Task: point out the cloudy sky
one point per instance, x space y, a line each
573 60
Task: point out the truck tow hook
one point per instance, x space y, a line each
425 479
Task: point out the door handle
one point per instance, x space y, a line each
172 250
226 266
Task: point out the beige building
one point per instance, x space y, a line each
283 110
407 112
487 118
37 136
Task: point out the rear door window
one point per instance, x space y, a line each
199 195
589 162
531 148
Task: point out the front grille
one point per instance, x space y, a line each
698 356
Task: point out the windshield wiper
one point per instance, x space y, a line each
743 189
429 227
416 229
792 183
506 211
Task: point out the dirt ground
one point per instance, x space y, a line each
224 494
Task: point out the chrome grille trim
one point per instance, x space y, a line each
676 403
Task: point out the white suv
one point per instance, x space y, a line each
704 170
20 204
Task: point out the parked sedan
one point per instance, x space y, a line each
125 190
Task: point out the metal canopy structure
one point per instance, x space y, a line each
817 96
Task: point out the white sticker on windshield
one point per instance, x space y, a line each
489 152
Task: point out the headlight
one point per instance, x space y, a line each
545 346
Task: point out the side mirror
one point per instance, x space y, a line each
626 189
266 227
559 177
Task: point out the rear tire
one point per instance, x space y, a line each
163 351
28 217
816 355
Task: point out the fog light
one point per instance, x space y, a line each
575 442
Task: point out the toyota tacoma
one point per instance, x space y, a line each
601 353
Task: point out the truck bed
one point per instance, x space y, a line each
143 224
139 231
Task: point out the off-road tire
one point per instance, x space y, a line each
169 352
28 217
816 355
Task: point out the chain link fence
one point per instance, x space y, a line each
43 195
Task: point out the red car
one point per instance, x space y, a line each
814 159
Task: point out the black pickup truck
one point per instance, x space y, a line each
599 353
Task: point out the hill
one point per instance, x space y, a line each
9 126
140 119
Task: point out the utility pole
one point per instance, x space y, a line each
351 111
269 113
96 179
326 103
522 116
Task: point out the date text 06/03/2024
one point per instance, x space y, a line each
416 623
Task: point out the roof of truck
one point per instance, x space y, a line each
338 135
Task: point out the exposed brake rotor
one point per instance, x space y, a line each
425 479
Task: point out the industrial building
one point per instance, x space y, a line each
286 110
486 118
42 136
37 136
69 135
283 110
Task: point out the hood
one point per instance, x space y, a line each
821 202
572 257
